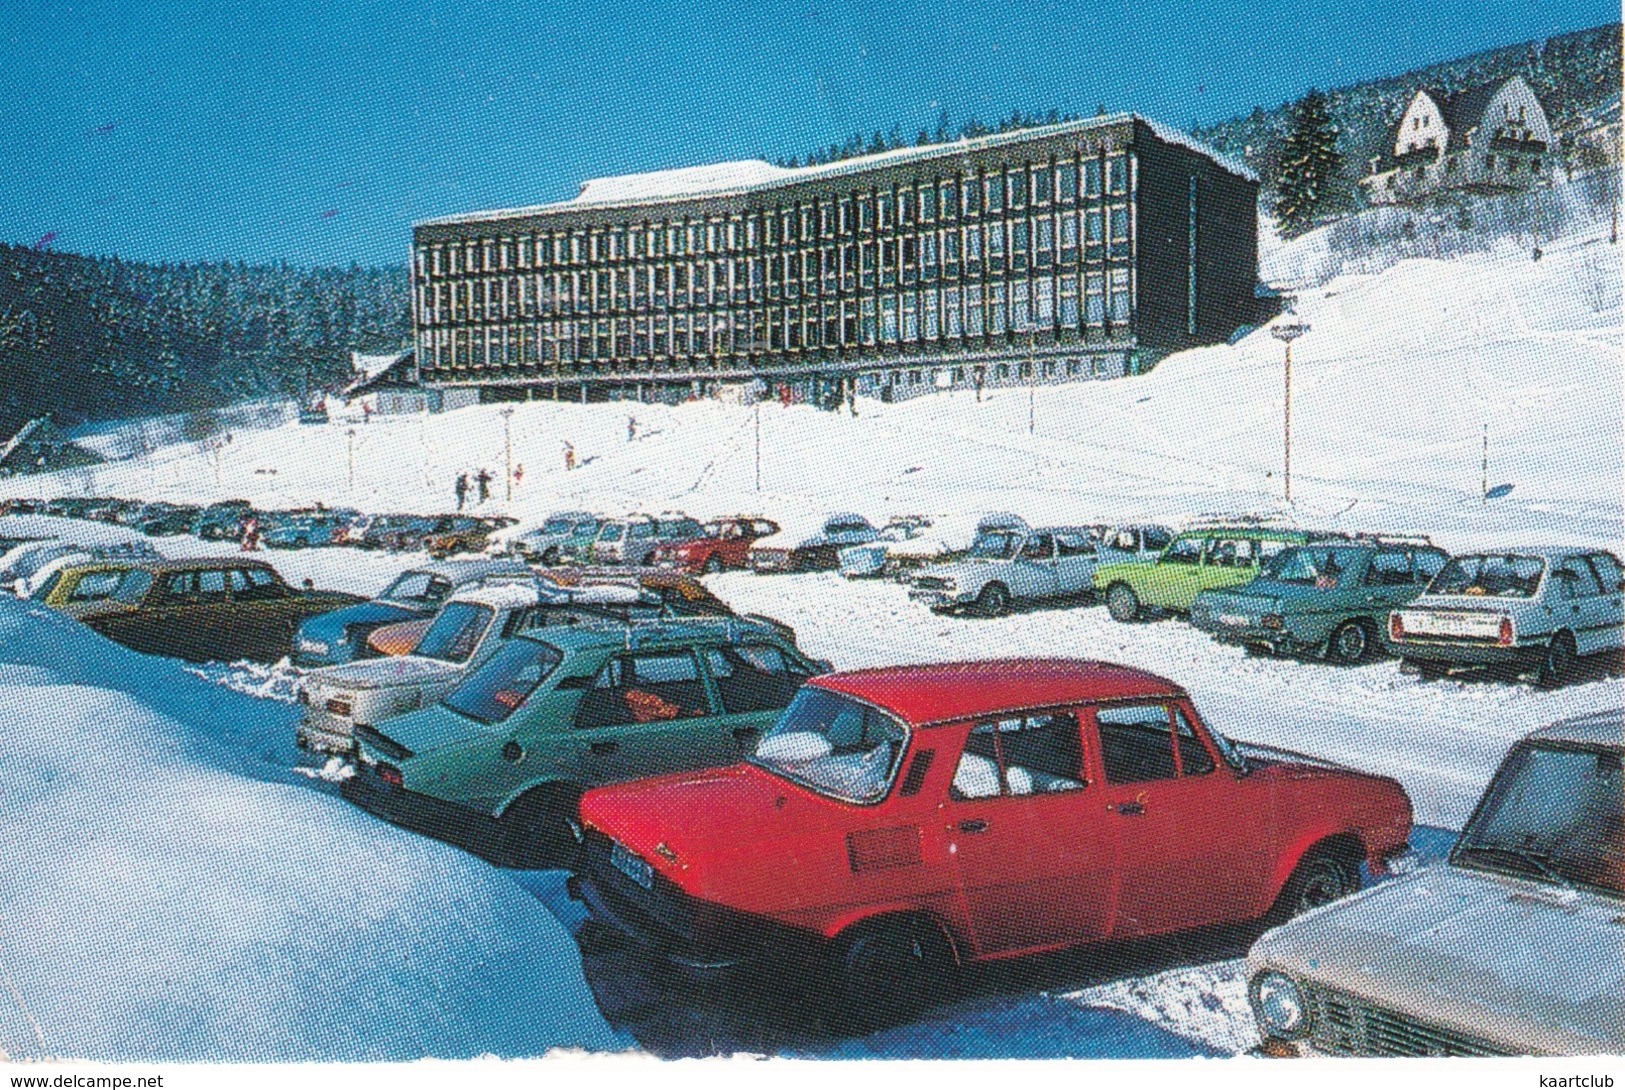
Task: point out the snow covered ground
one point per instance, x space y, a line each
222 906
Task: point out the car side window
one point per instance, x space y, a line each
752 678
1074 545
1038 547
1577 578
1020 756
179 589
1156 539
644 688
1428 564
1609 572
256 585
1186 550
1194 759
1389 569
95 586
1136 743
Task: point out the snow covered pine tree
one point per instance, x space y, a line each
1308 167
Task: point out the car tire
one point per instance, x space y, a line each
1122 603
551 556
885 971
536 831
1427 671
993 601
713 564
1350 643
1557 667
1322 876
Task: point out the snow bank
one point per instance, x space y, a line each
173 892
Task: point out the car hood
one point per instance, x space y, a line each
1472 952
331 625
380 673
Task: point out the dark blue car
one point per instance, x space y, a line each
341 636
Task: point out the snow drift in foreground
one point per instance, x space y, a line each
171 891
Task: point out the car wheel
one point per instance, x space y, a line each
713 564
1558 665
537 830
1321 877
551 556
1122 603
886 971
1350 643
1427 671
994 601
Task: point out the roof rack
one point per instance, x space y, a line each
639 633
1380 538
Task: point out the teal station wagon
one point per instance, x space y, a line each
1330 600
503 759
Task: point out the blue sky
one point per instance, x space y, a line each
317 132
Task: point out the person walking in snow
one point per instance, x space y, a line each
484 481
518 474
251 534
631 428
461 489
569 456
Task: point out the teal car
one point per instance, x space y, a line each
1328 600
500 764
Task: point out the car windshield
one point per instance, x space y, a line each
1552 814
1309 567
133 587
612 532
996 545
419 588
493 692
95 586
557 526
1490 577
834 745
456 632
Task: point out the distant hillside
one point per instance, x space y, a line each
1576 75
90 338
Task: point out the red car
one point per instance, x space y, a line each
725 546
897 822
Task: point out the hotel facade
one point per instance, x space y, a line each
1086 249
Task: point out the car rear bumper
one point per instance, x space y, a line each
320 732
1448 653
473 830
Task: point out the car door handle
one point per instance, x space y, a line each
1131 809
604 748
973 825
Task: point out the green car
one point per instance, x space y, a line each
1211 558
1328 600
500 764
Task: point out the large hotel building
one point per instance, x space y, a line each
1086 249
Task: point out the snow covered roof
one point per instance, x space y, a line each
370 365
754 175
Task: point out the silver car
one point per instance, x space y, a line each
1513 947
1007 565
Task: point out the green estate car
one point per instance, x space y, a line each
1330 599
1211 558
500 764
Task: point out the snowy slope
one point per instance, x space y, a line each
172 892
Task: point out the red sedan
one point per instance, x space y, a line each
897 822
725 546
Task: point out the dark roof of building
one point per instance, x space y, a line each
1462 112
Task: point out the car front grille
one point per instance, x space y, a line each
1348 1026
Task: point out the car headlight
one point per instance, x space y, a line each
1279 1005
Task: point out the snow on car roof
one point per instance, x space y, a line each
943 692
1600 728
516 595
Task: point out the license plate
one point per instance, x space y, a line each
630 865
1234 620
1449 625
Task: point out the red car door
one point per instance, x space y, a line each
1191 835
1034 857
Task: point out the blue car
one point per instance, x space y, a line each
341 636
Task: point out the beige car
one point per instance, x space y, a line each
1514 947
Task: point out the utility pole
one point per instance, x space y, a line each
1484 468
350 434
1032 374
507 446
758 446
1289 332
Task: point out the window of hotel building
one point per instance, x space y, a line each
1020 244
1044 301
1069 301
905 206
806 223
1117 174
849 267
662 336
832 324
883 210
869 330
866 213
489 254
970 195
603 344
1026 368
1004 370
867 250
888 319
1044 250
948 198
849 322
996 312
617 245
975 322
756 280
826 219
950 251
1119 295
792 327
973 250
1091 176
995 245
848 216
1043 182
1120 224
1094 305
1017 186
595 247
928 255
792 275
1066 181
993 189
1069 237
454 261
911 316
1094 226
1020 316
623 338
911 259
888 262
928 204
933 322
952 318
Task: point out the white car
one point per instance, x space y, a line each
1512 948
909 542
1010 565
1521 611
